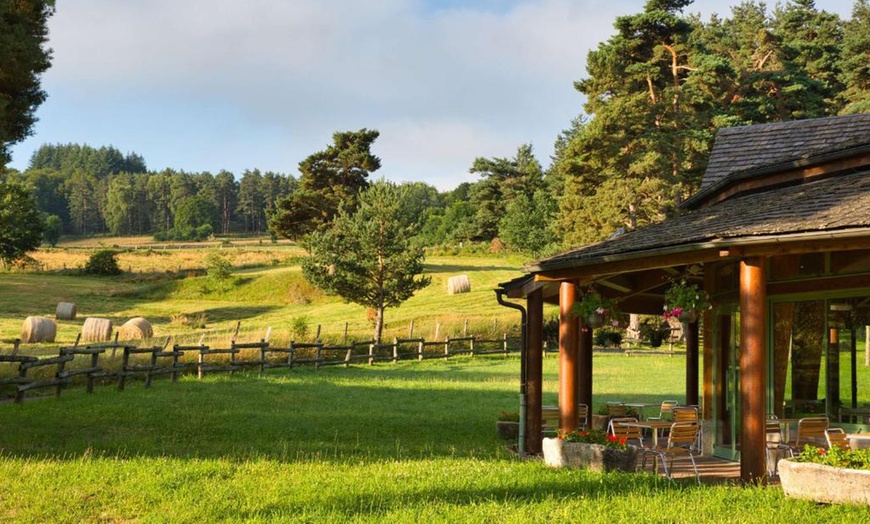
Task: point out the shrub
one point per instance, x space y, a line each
605 337
103 262
299 328
836 457
218 267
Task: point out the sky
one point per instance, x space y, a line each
206 85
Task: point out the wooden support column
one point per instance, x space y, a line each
534 369
753 367
568 342
584 368
692 341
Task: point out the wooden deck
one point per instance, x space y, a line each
712 470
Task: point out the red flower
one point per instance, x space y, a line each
623 440
822 452
584 433
612 438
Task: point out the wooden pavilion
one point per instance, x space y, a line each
779 237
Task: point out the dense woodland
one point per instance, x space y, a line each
655 93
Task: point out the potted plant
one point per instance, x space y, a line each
832 476
685 301
508 425
654 332
594 310
593 449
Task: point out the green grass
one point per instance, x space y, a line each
260 298
412 442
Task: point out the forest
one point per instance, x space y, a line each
652 96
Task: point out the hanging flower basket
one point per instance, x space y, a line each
594 310
685 301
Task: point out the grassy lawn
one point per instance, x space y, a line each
412 442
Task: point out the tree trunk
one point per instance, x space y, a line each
379 324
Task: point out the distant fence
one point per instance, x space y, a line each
99 362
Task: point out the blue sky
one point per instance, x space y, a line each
205 85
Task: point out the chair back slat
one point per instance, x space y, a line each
811 430
617 410
685 414
836 438
683 434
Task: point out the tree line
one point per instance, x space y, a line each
655 94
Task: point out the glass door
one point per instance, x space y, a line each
726 390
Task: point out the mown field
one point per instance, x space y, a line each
411 442
167 286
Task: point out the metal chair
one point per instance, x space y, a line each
810 430
836 438
617 429
666 410
680 444
774 445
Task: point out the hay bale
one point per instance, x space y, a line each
458 284
135 329
65 311
97 330
38 329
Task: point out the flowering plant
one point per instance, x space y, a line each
594 436
593 304
683 297
836 457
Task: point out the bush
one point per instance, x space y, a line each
604 337
103 262
218 267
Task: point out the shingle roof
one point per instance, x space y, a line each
836 203
738 149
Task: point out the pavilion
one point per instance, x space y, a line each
779 237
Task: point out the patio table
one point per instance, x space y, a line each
653 425
641 406
859 441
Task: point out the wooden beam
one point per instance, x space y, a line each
753 368
616 286
569 327
584 369
797 247
692 340
839 283
610 266
534 370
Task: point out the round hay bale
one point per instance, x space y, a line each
97 330
458 284
38 329
135 329
65 311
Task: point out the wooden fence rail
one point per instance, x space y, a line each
93 362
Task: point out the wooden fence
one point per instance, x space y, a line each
98 362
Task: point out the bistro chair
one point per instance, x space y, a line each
666 411
680 445
582 416
836 438
689 414
618 429
617 410
811 430
775 445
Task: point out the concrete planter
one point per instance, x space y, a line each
595 457
507 430
824 483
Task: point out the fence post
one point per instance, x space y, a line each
411 330
471 345
395 350
125 361
465 329
420 350
150 372
233 358
175 354
447 346
504 343
291 354
263 348
318 355
22 374
349 351
94 361
371 354
60 367
199 361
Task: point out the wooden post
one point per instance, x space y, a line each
395 350
534 352
437 329
345 333
866 346
411 330
199 362
420 350
264 347
291 354
753 366
465 329
471 345
584 368
317 336
568 342
371 354
150 372
504 344
94 362
319 355
447 346
175 355
61 365
125 360
692 347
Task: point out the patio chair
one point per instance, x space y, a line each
629 432
617 410
836 438
689 414
810 430
775 445
582 416
666 410
680 445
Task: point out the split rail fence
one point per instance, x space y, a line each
98 362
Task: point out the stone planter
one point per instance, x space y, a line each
600 421
824 483
507 430
595 457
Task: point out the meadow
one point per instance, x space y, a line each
405 442
167 285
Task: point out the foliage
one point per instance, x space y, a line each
836 457
53 230
592 303
299 328
593 436
103 262
654 331
330 179
608 337
218 267
508 416
367 256
21 225
684 297
526 224
24 56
